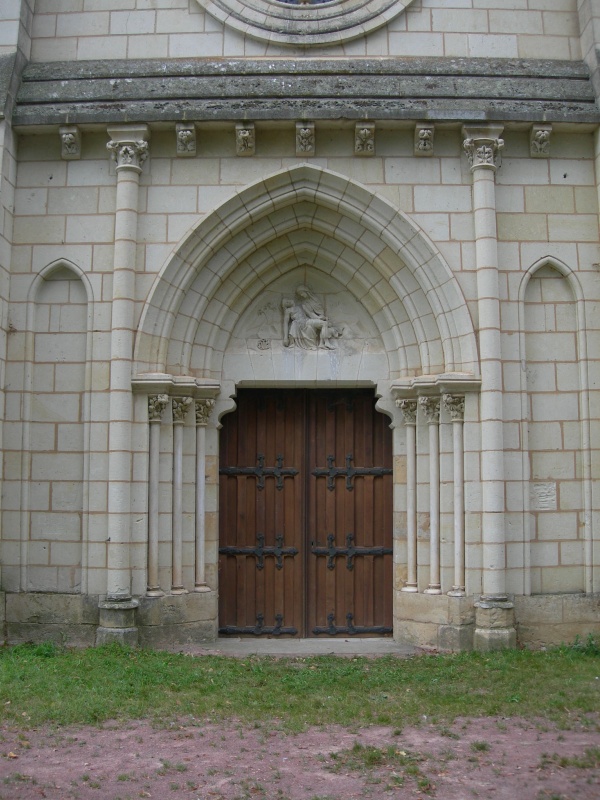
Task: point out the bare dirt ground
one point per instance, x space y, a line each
495 758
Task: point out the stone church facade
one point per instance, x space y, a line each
228 225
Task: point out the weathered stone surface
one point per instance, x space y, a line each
539 609
174 610
125 636
488 640
455 638
118 615
51 609
71 635
421 88
166 636
7 67
435 609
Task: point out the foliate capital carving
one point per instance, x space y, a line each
408 409
128 155
455 406
156 405
203 410
364 139
180 407
305 138
245 139
70 142
424 140
186 139
483 147
539 141
430 406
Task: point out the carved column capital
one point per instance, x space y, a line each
455 406
128 146
203 410
180 407
408 409
156 405
430 406
482 146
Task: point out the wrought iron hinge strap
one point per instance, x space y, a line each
261 550
279 472
350 472
349 629
260 629
350 551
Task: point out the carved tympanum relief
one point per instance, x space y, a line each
305 323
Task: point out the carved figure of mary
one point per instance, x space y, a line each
305 323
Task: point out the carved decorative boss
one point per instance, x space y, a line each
245 139
364 139
305 138
186 140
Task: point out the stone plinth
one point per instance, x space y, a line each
117 623
494 624
445 623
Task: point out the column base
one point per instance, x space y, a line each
494 623
117 623
202 587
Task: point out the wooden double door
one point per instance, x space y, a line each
305 515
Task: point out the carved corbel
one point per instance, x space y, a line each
245 139
364 139
186 139
305 138
70 142
539 141
423 145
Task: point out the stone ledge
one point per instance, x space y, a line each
443 89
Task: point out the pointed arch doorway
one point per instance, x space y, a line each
305 515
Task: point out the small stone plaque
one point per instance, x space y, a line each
543 496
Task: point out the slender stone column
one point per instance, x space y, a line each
409 412
156 406
203 409
130 149
431 409
482 146
455 405
180 407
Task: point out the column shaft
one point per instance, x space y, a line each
130 150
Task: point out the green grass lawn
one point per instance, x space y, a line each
48 684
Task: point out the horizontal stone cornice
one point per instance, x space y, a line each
442 89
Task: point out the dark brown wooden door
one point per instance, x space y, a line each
305 515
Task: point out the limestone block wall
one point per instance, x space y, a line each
101 29
64 229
